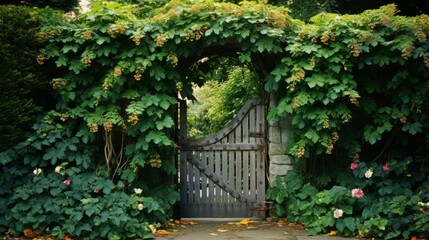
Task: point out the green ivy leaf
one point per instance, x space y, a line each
413 128
350 223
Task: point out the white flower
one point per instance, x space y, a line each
140 206
338 213
368 173
58 169
138 190
37 171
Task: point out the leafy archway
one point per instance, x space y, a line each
110 142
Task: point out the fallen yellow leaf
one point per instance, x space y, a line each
332 233
213 234
222 230
286 233
175 230
180 222
246 221
161 233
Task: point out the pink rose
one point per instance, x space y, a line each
67 182
357 193
354 166
338 213
386 167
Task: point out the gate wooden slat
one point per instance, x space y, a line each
246 158
217 166
211 186
252 123
190 183
223 175
224 171
204 180
197 180
260 159
231 167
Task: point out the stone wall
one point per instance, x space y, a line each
278 134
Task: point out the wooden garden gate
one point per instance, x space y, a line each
223 176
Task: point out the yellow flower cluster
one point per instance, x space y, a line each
278 19
421 36
333 140
93 127
300 152
59 82
41 35
117 72
133 118
156 163
87 35
136 40
356 50
326 37
353 100
64 117
407 51
325 123
174 59
116 29
87 61
106 85
160 40
40 59
137 76
426 60
108 126
196 34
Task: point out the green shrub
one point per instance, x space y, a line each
63 194
394 202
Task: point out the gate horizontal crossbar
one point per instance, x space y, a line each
225 147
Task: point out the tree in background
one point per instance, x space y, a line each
65 5
305 9
218 100
23 82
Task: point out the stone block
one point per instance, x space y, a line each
279 170
274 134
281 160
276 149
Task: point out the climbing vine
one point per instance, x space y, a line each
101 163
353 81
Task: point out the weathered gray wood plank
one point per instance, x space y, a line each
253 125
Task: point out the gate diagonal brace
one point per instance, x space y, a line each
217 180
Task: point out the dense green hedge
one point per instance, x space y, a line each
24 83
351 84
